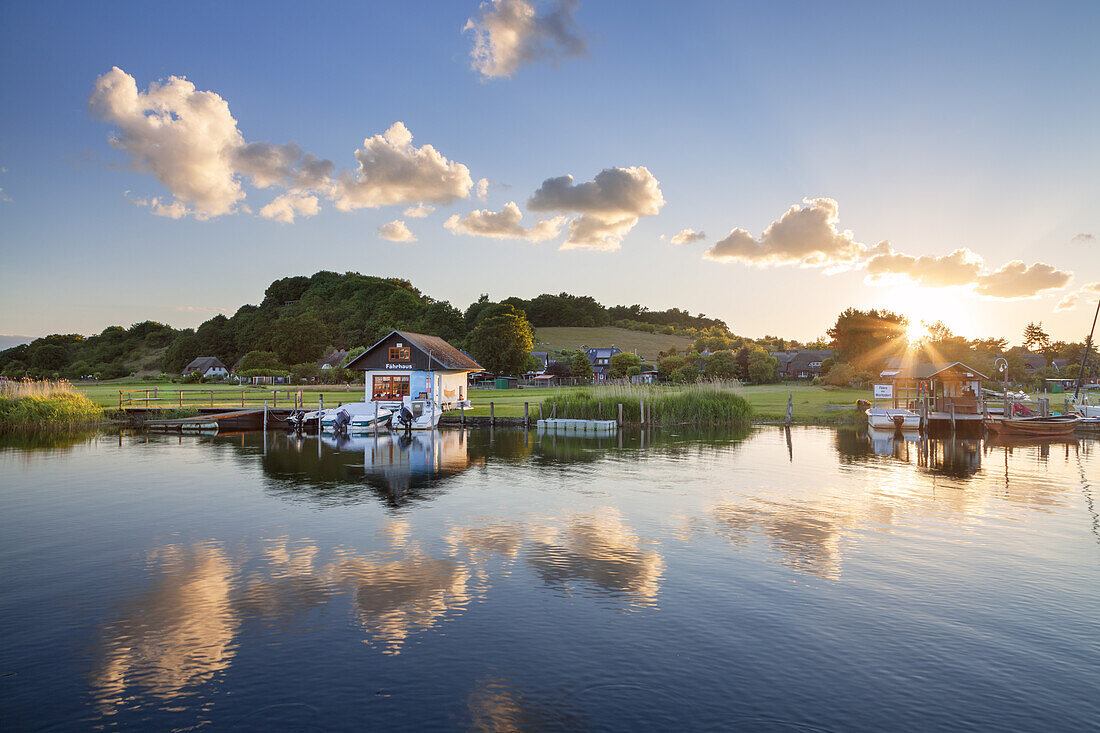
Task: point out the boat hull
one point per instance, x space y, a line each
884 419
1035 428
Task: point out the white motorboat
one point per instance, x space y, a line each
416 414
355 417
883 418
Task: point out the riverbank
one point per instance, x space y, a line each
29 406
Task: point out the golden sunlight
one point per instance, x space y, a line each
916 332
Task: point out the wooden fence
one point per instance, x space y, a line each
157 397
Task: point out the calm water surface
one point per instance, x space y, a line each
763 580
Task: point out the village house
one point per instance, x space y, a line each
207 366
332 360
600 359
804 364
405 364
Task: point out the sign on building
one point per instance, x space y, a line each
884 391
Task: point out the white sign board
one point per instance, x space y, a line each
884 391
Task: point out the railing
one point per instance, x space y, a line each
157 397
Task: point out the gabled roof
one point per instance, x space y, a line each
333 359
802 359
441 352
927 371
202 363
1034 361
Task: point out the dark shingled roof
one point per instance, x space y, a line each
441 352
203 363
927 371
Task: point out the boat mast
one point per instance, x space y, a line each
1085 356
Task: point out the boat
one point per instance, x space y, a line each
882 418
416 414
355 417
1035 427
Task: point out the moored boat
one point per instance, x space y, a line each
882 418
1037 427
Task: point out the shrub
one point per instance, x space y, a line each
702 403
841 375
47 405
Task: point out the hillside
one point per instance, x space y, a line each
566 338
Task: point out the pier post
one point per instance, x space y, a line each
461 413
620 423
120 401
242 398
492 416
526 417
599 410
181 398
265 416
641 411
211 398
952 417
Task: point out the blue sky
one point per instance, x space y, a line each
933 126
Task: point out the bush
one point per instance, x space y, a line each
841 375
48 406
194 377
703 403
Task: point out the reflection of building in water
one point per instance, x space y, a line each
177 635
404 462
598 550
956 457
807 537
496 705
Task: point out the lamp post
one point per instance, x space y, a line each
1001 364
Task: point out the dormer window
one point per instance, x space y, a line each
400 353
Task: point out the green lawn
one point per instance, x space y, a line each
768 401
562 338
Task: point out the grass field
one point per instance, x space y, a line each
561 338
769 402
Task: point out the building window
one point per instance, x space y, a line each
387 387
400 353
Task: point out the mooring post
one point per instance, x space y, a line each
120 400
320 402
641 411
952 417
790 408
620 423
462 413
211 398
599 410
492 417
554 412
265 416
526 417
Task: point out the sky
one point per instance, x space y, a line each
769 164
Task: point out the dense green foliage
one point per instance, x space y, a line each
706 403
49 406
502 339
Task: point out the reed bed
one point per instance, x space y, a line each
702 403
48 405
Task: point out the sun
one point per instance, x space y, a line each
916 331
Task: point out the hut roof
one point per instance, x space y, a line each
926 370
202 363
441 352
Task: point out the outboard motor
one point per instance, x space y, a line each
341 421
404 419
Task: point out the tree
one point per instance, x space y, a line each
866 338
721 365
579 366
299 338
259 360
180 352
534 364
841 375
763 367
667 367
502 340
560 369
620 365
1035 338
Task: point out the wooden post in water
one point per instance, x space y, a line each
526 416
641 411
461 412
492 416
265 416
211 398
599 410
952 417
790 408
554 412
1044 407
620 423
120 402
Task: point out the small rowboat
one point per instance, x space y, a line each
1035 427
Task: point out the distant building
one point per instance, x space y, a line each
600 359
805 364
1032 362
208 366
332 361
405 364
647 377
544 357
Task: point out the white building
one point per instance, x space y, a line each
415 365
208 366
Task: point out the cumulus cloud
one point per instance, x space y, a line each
1087 294
419 211
961 267
609 206
396 231
189 140
184 137
392 171
4 197
1016 279
804 235
482 188
1084 237
687 236
509 34
504 224
285 207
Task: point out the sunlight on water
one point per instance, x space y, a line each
811 579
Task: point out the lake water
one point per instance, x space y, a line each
762 580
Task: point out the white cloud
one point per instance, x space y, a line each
285 207
1087 293
609 206
419 211
4 197
392 171
805 236
961 267
396 231
509 34
482 188
504 224
186 138
189 140
687 236
1084 237
1017 279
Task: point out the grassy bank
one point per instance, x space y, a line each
45 406
705 403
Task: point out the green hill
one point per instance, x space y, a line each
566 338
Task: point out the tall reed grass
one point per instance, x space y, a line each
702 403
45 406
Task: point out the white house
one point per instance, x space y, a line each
416 365
208 366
